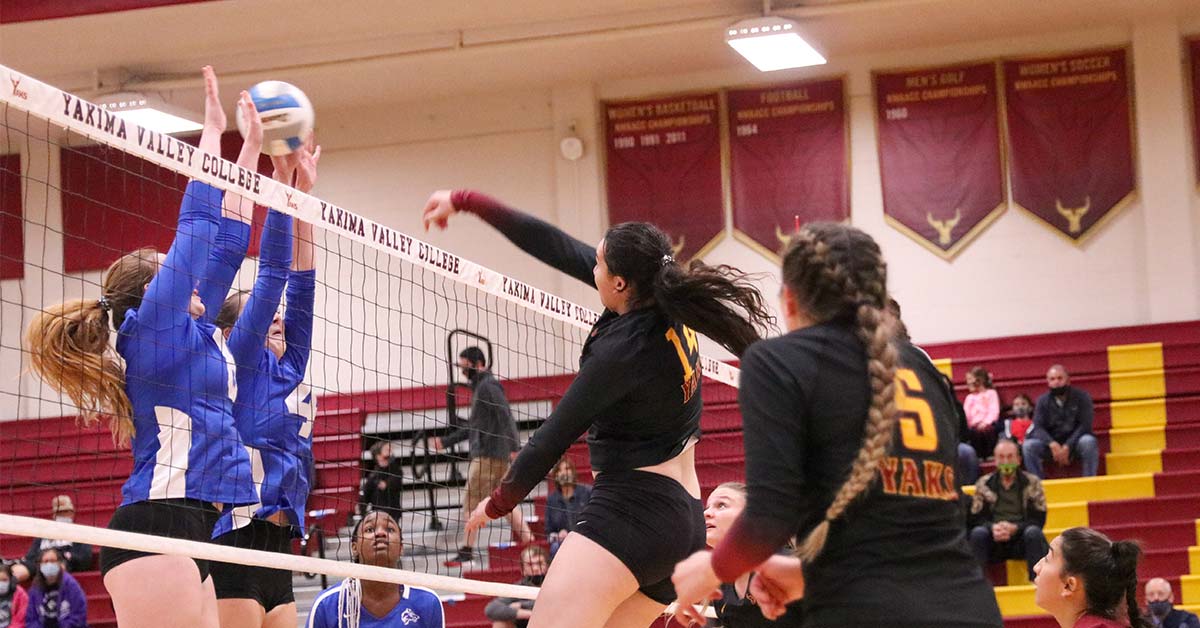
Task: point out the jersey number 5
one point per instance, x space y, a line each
918 431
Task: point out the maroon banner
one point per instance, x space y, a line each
939 153
114 203
788 155
1194 60
664 167
12 227
1071 138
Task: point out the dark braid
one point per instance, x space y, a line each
836 271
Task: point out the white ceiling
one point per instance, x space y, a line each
352 52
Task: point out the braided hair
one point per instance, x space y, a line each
837 272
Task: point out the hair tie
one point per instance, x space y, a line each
667 259
104 304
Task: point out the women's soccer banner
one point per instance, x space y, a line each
1071 138
789 159
664 167
940 153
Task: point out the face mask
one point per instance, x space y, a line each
1022 412
567 479
1007 468
50 570
5 587
1058 391
64 519
536 580
1160 608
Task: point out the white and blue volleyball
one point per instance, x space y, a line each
287 116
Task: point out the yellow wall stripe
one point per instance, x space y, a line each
945 366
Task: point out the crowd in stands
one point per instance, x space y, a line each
39 591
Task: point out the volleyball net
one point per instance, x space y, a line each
80 187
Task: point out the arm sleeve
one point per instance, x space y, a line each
31 557
992 406
33 614
1038 429
556 514
298 319
166 301
498 420
1086 418
456 437
532 235
774 432
20 607
81 556
78 615
981 511
228 251
317 616
275 259
600 382
499 609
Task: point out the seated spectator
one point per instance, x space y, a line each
1020 418
13 600
55 599
737 608
968 460
1008 511
511 612
982 407
384 486
564 503
1088 581
78 556
1160 612
1062 427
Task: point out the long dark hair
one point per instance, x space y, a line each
1108 569
717 301
837 272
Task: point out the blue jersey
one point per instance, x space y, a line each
418 608
274 409
178 372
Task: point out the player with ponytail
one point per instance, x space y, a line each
850 447
1089 581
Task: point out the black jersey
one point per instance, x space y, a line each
637 393
898 555
735 611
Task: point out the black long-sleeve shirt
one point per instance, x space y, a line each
490 426
1064 422
898 555
637 393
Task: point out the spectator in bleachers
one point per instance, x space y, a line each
564 503
492 433
1088 581
1020 418
1062 427
511 612
982 407
1160 611
55 600
1008 512
383 489
78 556
14 601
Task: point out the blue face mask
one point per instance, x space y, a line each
50 570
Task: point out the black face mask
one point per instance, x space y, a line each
1058 391
536 580
470 372
1160 609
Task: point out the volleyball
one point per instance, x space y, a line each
287 116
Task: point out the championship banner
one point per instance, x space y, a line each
1071 138
789 152
939 153
12 227
664 167
1194 63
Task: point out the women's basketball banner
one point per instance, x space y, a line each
1070 138
1194 61
940 153
664 167
12 227
788 159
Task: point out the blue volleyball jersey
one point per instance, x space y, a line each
274 410
178 371
418 608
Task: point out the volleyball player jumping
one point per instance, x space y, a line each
173 395
273 411
637 394
850 446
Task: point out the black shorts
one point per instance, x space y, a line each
268 587
648 521
189 519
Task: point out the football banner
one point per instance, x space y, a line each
1070 138
788 159
664 167
940 158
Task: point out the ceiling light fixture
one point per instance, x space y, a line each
772 43
149 111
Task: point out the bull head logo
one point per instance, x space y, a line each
944 227
1074 215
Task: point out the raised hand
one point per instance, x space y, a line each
438 210
252 143
214 115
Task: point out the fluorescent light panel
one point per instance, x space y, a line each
149 112
772 43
